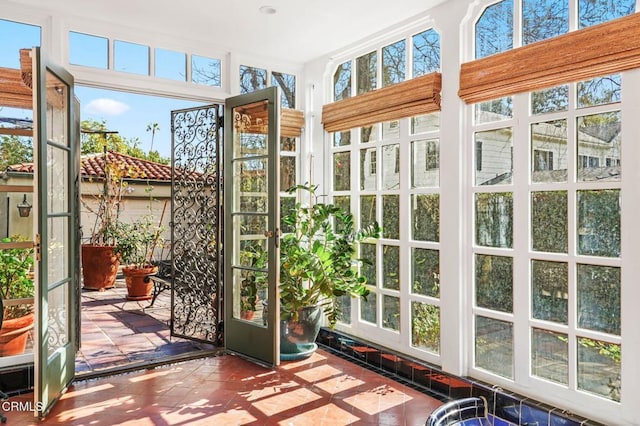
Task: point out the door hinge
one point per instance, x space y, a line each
37 248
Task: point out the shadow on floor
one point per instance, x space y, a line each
116 332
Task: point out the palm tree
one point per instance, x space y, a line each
153 128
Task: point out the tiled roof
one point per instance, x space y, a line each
133 168
92 166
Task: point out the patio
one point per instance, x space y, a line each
118 333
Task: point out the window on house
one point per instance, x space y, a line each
426 52
287 84
542 160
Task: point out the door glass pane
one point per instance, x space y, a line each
252 176
58 318
58 249
58 177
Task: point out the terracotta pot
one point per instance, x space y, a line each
99 267
139 287
14 333
247 315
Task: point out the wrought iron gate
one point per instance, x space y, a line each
196 223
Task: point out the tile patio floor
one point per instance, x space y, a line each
218 390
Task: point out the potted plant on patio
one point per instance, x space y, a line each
317 268
135 245
16 298
100 263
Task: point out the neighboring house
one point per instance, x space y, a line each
148 192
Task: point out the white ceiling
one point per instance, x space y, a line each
299 31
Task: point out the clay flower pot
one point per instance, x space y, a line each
14 333
99 267
139 287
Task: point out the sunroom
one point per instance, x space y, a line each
486 138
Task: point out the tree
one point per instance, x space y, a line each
15 150
96 137
153 128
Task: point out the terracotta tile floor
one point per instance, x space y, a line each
117 332
229 390
221 390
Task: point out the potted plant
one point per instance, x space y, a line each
135 244
100 263
317 268
16 285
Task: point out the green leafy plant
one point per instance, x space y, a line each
318 265
16 279
137 240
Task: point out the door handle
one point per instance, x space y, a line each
276 233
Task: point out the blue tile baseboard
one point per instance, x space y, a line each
504 408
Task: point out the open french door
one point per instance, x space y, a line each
251 220
56 189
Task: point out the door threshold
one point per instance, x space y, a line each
148 365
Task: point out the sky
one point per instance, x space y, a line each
128 114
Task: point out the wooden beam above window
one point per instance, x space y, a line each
603 49
420 95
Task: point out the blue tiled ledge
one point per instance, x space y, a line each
504 408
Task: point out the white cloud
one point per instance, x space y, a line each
106 106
